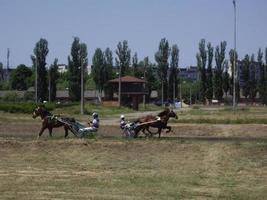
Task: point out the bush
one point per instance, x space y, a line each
22 107
11 97
18 107
28 96
196 107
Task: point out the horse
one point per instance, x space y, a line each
160 121
49 122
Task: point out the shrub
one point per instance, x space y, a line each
11 97
28 96
17 107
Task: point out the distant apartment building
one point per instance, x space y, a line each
62 68
191 73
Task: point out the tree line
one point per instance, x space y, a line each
216 82
163 75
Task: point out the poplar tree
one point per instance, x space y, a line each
218 78
226 78
40 52
76 60
209 85
123 57
135 65
201 63
173 76
252 79
161 57
245 76
234 56
97 69
108 64
263 78
54 76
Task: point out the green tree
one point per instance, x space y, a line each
1 72
245 76
147 70
77 59
135 65
20 77
263 79
53 77
201 63
218 78
234 56
97 70
209 85
161 57
173 77
264 86
108 63
40 52
124 57
252 79
226 78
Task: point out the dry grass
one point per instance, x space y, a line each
197 161
132 169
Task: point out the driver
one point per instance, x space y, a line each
122 122
94 124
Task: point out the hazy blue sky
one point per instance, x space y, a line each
103 23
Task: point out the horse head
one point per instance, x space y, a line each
40 111
172 114
164 113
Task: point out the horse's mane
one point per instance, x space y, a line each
164 113
45 111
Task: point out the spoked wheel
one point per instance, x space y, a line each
128 133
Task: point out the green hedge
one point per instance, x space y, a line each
22 107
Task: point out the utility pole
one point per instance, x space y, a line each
234 64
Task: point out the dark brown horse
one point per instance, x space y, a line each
49 121
160 122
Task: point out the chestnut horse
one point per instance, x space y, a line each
160 121
49 121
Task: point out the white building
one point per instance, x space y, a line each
62 68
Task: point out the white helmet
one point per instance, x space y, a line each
122 116
94 115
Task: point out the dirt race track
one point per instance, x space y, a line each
29 131
195 161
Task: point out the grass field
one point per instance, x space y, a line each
196 161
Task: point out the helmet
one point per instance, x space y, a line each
122 116
94 115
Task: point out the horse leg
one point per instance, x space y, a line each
159 131
41 131
144 131
50 131
66 131
169 129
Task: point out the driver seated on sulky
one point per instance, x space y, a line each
94 124
122 122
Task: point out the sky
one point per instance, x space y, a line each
143 23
